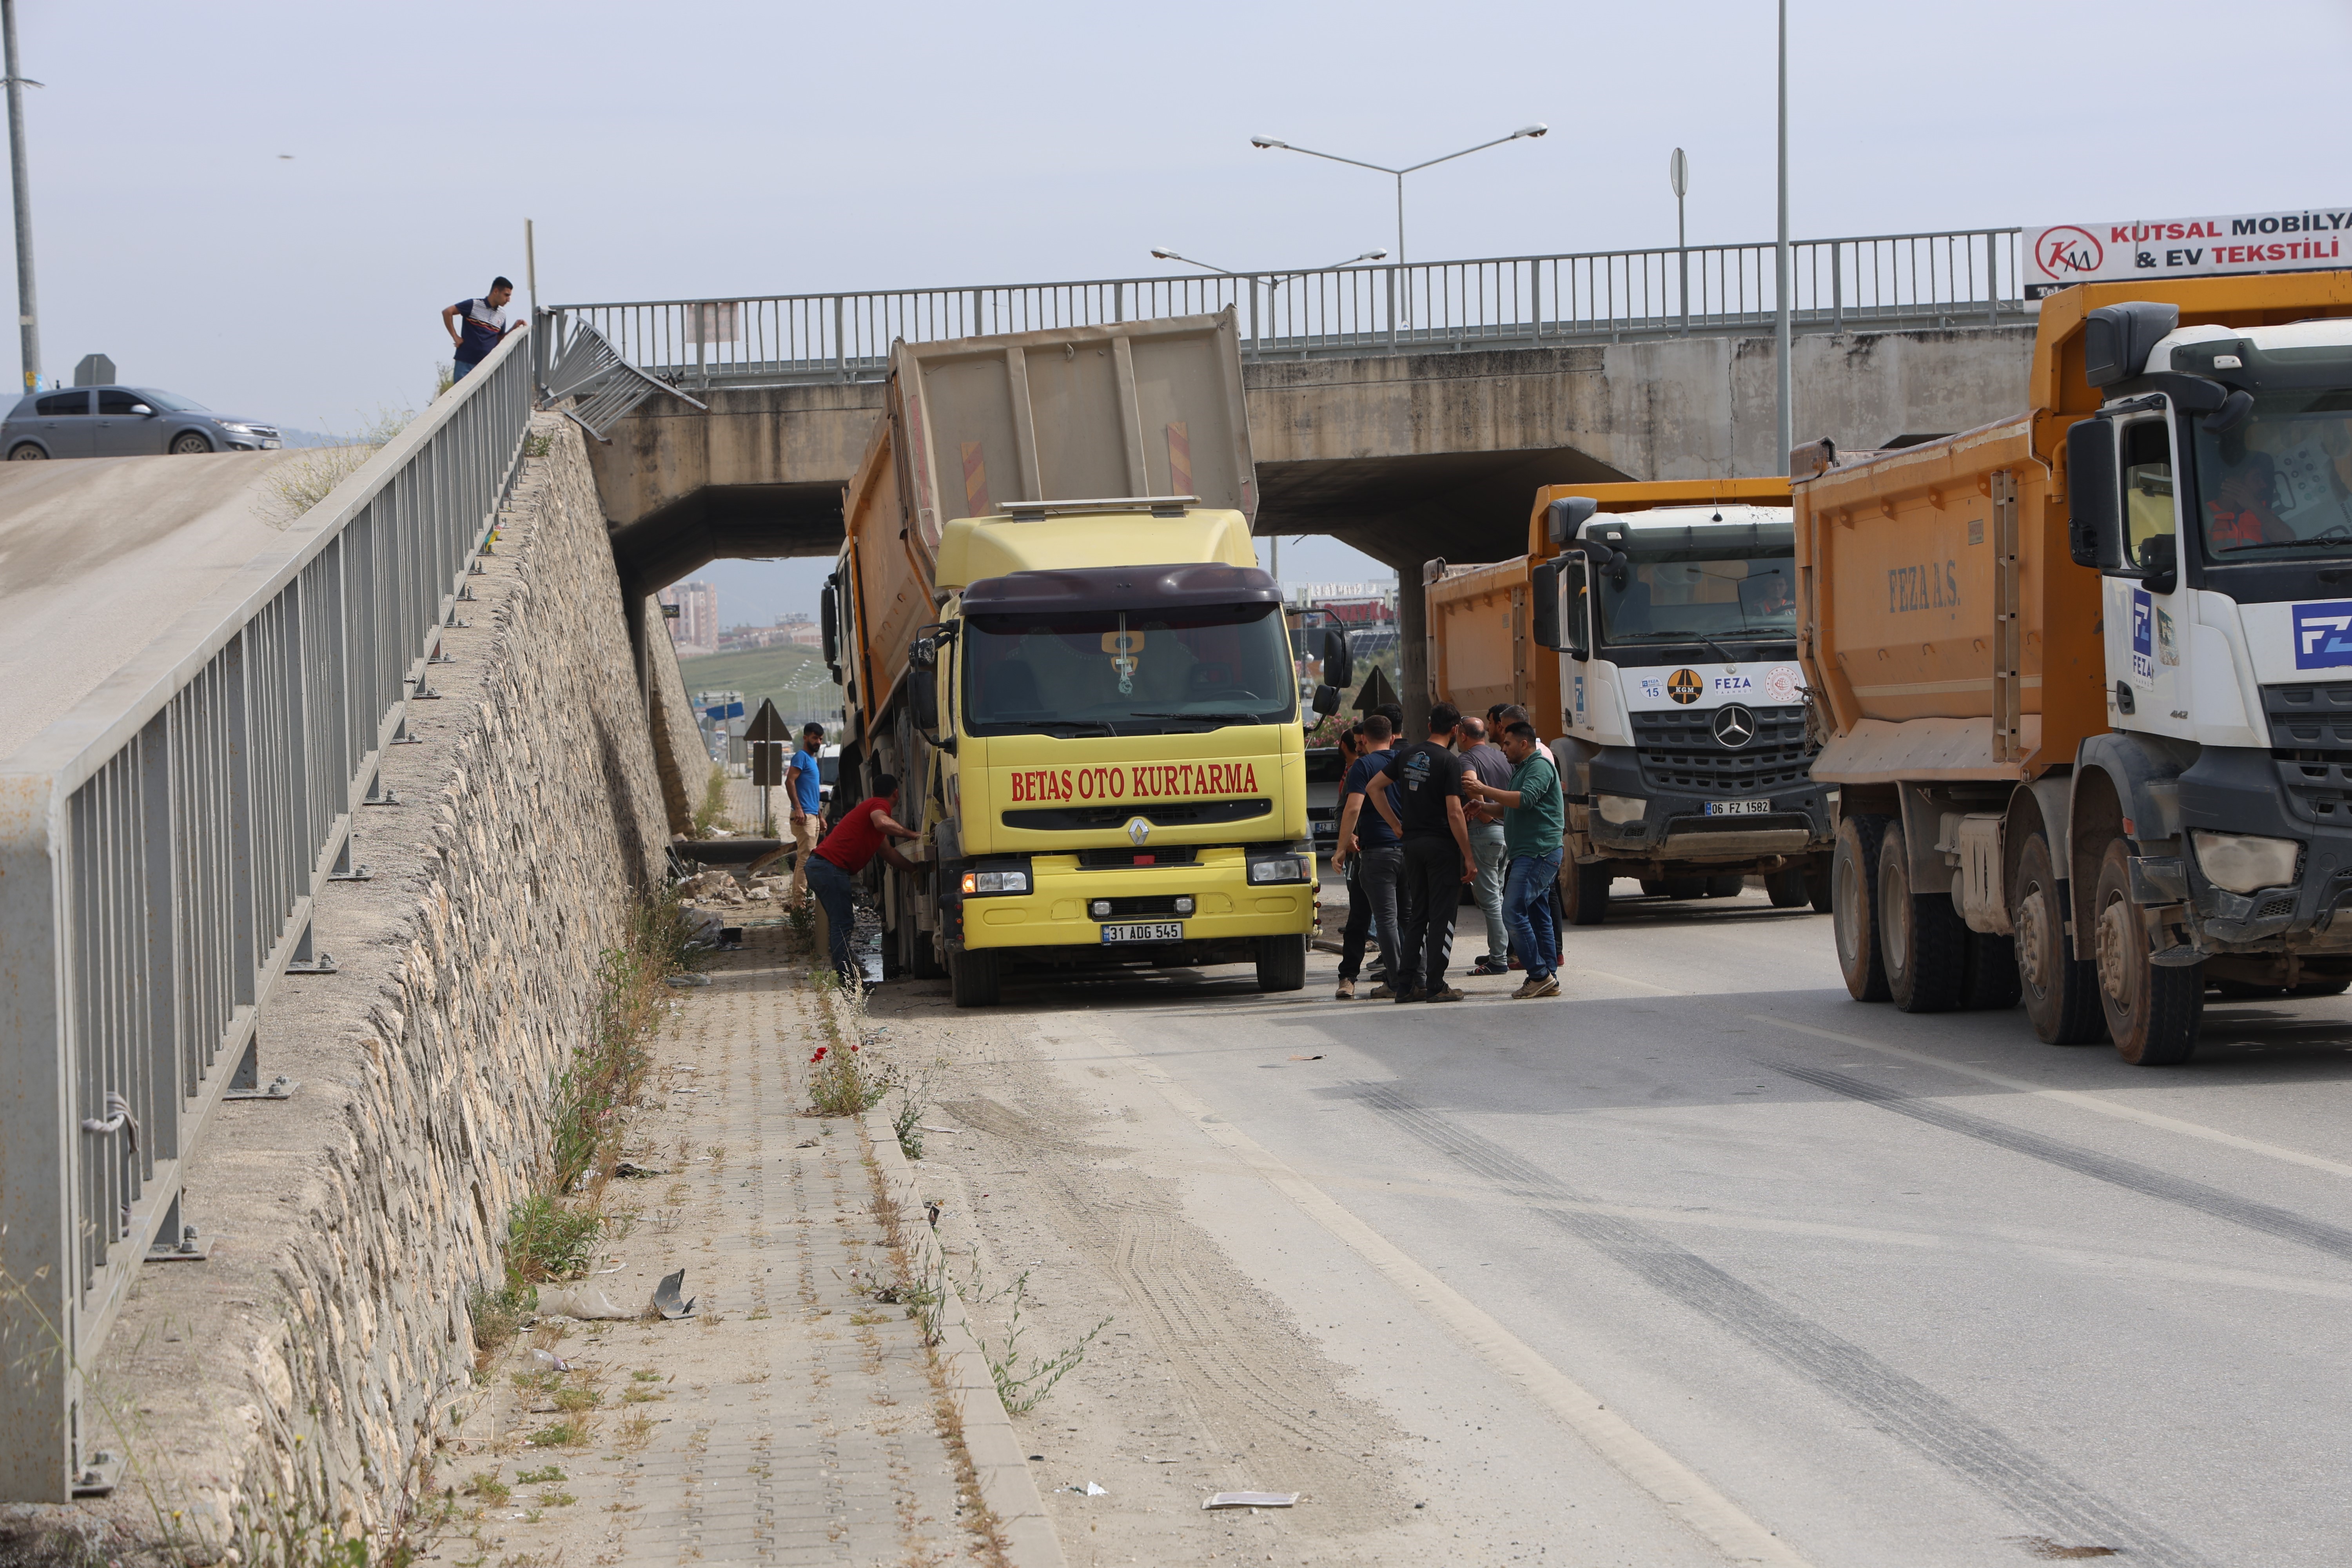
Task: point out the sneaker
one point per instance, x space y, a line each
1346 992
1548 987
1445 994
1526 989
1416 994
1380 993
1489 965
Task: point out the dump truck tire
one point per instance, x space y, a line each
1281 963
2061 991
1788 887
1854 877
1584 893
1922 941
976 978
2152 1010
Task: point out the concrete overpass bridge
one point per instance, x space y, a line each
1410 412
445 673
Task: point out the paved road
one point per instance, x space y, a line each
99 555
1740 1268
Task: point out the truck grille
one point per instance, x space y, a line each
1082 818
2311 744
1127 860
1138 905
1679 751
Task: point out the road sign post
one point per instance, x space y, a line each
768 736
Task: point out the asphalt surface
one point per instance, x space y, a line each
1843 1286
99 556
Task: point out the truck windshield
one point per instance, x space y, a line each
1134 672
1675 593
2280 485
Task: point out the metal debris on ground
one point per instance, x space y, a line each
630 1170
1252 1499
665 1296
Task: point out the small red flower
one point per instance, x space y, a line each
820 1055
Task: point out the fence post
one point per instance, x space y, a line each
1392 322
840 343
1992 278
1837 286
40 1271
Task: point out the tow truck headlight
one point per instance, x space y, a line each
996 881
1621 807
1184 905
1288 869
1099 909
2244 863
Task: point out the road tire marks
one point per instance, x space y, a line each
2334 1241
1899 1406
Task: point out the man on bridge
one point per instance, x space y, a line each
484 323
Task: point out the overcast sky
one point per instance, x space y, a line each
265 205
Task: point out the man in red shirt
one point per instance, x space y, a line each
864 831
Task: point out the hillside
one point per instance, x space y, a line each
794 679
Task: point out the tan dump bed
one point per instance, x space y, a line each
968 426
1943 621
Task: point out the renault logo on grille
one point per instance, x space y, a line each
1138 830
1734 727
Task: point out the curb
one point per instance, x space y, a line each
1006 1488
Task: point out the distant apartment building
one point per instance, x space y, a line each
695 629
791 631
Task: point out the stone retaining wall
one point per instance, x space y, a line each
305 1368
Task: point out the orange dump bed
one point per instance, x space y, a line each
1943 621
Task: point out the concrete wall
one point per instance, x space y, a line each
309 1363
679 755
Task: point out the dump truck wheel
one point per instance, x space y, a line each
1686 887
1993 984
2152 1010
1281 963
1788 887
1853 875
2061 991
2320 988
977 978
1728 885
1653 888
1584 893
1921 937
1819 883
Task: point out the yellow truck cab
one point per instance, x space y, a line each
1098 722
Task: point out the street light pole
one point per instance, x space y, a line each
1780 268
1526 132
1679 176
26 321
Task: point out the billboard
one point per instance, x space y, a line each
2311 240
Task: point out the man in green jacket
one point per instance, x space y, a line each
1535 817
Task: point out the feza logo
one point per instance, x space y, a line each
2143 628
2069 252
2322 634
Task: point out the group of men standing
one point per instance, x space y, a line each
1478 800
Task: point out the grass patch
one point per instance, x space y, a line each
571 1433
498 1316
486 1486
295 486
548 1240
545 1475
713 811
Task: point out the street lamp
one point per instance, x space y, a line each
1781 329
1679 176
1164 253
1524 132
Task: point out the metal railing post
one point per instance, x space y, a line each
840 341
1391 271
1992 278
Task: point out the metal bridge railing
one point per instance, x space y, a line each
161 847
1968 277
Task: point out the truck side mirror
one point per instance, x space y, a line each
1338 669
2159 563
1567 517
828 614
2095 524
1543 604
1575 619
1326 701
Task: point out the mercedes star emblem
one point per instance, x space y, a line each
1138 830
1734 726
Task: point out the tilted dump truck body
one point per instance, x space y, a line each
2048 771
1050 622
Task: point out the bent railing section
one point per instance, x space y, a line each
1873 282
161 847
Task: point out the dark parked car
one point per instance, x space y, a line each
123 422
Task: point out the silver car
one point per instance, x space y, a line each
123 422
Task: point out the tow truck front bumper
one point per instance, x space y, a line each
1057 922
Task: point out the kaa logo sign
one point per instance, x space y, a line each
2322 634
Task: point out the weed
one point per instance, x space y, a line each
635 1432
1024 1390
713 809
498 1314
537 444
573 1400
297 485
641 1395
645 1374
548 1240
570 1433
907 1122
542 1476
556 1499
486 1486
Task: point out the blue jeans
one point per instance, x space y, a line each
832 887
458 369
1527 904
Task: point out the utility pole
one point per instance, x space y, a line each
26 316
1679 176
1781 268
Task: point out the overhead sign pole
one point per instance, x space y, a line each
27 322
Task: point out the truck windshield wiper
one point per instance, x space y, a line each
1050 726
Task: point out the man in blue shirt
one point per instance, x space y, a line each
801 782
1379 855
484 322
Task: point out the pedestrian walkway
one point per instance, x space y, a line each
790 1420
